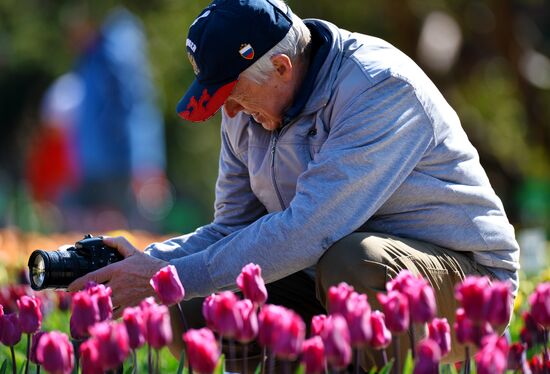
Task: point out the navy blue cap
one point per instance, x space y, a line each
224 40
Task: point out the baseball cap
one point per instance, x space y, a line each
225 39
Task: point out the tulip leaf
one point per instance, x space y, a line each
182 362
373 370
258 369
220 368
4 366
387 368
408 366
300 369
448 369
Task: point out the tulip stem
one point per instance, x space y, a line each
545 357
356 354
231 344
14 366
264 354
76 348
37 369
149 363
157 361
245 358
183 320
271 357
412 337
384 356
286 367
134 360
396 354
467 360
28 353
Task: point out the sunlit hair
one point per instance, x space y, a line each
293 45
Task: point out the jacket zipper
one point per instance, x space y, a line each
274 140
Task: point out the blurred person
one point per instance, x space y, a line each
116 128
340 161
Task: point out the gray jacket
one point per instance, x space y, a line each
375 148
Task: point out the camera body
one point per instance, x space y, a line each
57 269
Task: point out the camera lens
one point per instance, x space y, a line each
38 267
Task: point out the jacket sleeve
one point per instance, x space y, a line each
236 206
375 142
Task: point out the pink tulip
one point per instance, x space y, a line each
317 324
1 310
247 313
102 296
336 340
84 314
532 333
55 353
30 316
221 315
468 331
313 355
89 357
112 343
34 344
64 300
493 356
337 297
292 331
472 296
202 350
159 331
381 336
269 321
515 356
135 326
440 332
402 282
167 285
10 329
422 304
396 309
540 304
358 319
252 285
428 356
498 308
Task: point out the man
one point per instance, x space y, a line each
340 161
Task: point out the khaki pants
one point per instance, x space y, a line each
367 261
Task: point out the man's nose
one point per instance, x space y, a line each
232 108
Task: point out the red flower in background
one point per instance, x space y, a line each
202 350
30 316
313 355
55 353
167 285
252 285
337 342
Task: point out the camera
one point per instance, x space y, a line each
57 269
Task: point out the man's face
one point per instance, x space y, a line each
266 102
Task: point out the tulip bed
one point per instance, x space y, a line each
62 333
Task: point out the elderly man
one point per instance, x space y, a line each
340 161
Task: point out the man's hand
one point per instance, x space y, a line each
128 279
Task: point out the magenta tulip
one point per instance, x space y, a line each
167 285
381 336
249 329
439 331
34 344
396 309
428 356
64 300
269 321
135 326
313 355
1 310
292 331
498 308
55 353
337 297
540 304
202 350
10 329
468 331
317 324
85 313
532 333
89 357
515 356
358 319
472 296
493 355
221 315
102 297
402 282
112 343
252 285
159 331
30 316
422 304
337 342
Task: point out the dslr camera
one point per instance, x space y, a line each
57 269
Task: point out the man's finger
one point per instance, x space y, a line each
99 276
121 244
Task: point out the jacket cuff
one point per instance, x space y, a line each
194 275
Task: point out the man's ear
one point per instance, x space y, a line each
284 68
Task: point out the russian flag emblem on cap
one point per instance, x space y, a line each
247 51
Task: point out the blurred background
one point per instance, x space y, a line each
90 141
